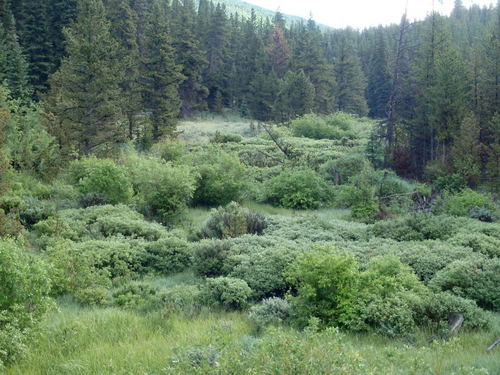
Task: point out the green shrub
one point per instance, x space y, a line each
227 292
209 257
233 221
221 179
168 150
436 310
137 296
336 126
184 299
24 287
478 242
416 227
482 214
345 167
35 210
451 183
459 204
93 265
476 278
167 255
261 262
163 191
92 296
327 286
298 189
226 138
101 176
272 310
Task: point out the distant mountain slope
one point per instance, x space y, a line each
243 8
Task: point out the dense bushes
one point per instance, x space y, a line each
221 179
24 287
336 126
340 170
162 190
459 204
101 176
167 255
476 278
227 292
209 257
416 227
233 221
298 189
326 285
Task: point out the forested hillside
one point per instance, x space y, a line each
187 190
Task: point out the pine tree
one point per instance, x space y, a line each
295 98
4 163
379 79
13 65
351 82
61 14
123 20
190 56
466 150
264 88
85 93
278 50
309 57
33 28
216 74
161 76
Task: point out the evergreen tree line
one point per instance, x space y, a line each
108 70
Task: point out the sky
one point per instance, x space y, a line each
361 13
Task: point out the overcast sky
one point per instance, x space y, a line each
361 13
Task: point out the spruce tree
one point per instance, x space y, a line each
85 93
295 98
379 79
466 150
351 82
123 21
279 50
160 75
189 55
34 35
13 65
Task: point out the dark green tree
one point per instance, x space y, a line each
379 78
85 92
295 97
189 55
351 82
160 74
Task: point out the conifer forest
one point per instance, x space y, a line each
211 187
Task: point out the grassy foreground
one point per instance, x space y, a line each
116 341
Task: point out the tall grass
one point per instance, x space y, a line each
80 341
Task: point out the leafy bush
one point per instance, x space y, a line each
93 199
162 191
482 214
460 203
272 310
209 257
233 221
221 179
24 287
167 255
261 262
227 292
182 299
136 295
101 176
327 286
479 242
416 227
226 138
436 310
476 278
299 189
336 126
345 167
93 265
35 210
168 150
